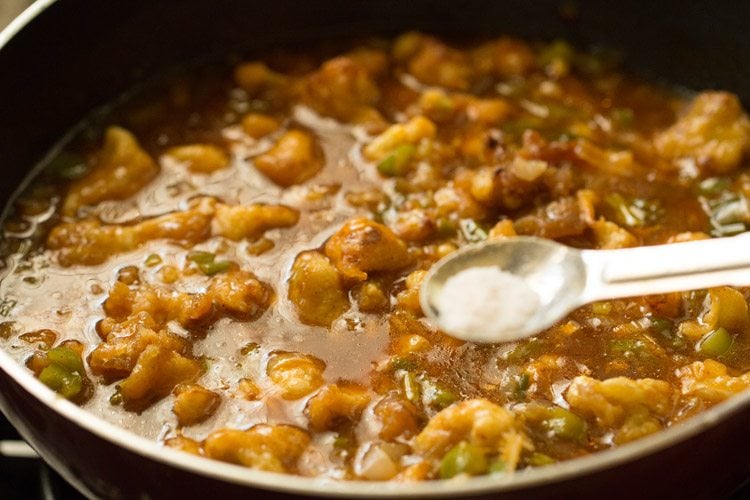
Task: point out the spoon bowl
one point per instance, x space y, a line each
554 272
564 278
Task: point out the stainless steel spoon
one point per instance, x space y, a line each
565 278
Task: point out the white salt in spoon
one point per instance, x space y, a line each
505 290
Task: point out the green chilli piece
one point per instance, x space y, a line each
66 358
540 459
211 268
66 383
463 458
566 424
601 308
395 164
442 398
201 257
153 260
68 166
412 388
498 467
715 343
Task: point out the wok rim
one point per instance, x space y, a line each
316 486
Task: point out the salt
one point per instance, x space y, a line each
485 304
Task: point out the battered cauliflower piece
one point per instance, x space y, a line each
412 132
714 131
200 158
315 289
274 448
121 170
336 404
728 309
89 242
362 246
478 422
156 373
296 375
116 358
240 222
433 62
295 158
258 125
634 406
237 293
193 404
609 235
709 380
610 400
341 89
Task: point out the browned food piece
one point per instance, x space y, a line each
505 58
251 221
236 293
45 337
296 375
711 381
116 358
258 125
156 373
341 89
89 242
727 309
335 405
185 444
433 62
295 158
478 422
200 158
193 404
256 76
362 246
274 448
315 289
714 131
634 407
412 133
569 216
409 298
248 389
398 418
121 170
608 235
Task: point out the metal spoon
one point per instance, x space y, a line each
566 278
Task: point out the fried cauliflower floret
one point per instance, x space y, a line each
609 235
116 358
295 158
362 246
296 375
255 76
714 131
433 62
634 406
156 373
193 404
274 448
341 89
409 298
185 444
239 293
89 242
121 170
240 222
727 309
200 158
710 380
478 422
236 293
258 125
398 418
336 404
412 132
315 289
504 58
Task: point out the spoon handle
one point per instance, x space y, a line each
667 268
